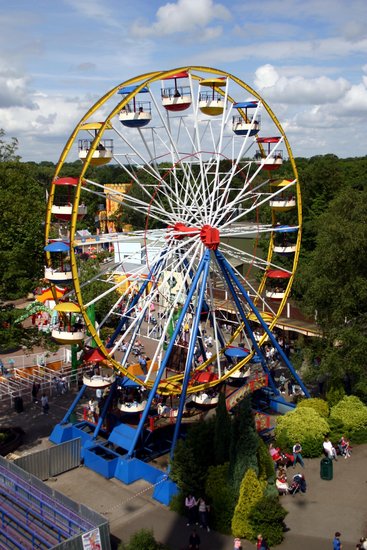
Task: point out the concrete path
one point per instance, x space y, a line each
312 518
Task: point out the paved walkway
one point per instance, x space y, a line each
312 518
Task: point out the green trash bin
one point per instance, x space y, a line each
326 469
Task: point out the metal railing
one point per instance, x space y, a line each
23 371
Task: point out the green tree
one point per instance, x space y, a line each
8 149
143 539
222 435
192 460
221 498
267 517
251 491
244 443
22 206
333 282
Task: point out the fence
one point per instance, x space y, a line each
53 461
23 370
42 501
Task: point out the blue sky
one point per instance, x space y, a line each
308 60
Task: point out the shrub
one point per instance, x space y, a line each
305 425
191 459
143 539
265 462
334 395
177 503
222 434
352 414
244 444
251 491
336 430
221 498
317 404
267 517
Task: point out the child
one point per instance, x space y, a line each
237 544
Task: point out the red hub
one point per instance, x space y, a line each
209 235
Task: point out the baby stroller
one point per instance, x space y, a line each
298 484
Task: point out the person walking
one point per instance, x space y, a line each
190 505
44 403
337 545
203 514
35 389
297 456
261 543
237 545
194 541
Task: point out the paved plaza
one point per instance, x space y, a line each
328 506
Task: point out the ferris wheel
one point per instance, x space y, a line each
199 230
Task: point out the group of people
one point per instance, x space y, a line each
343 448
197 511
281 461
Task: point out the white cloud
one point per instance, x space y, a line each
318 50
299 90
14 89
94 9
266 76
355 101
183 16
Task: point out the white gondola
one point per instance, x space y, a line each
72 331
102 155
135 114
65 212
132 407
177 97
58 276
269 157
102 380
212 102
242 128
66 337
270 163
246 125
274 295
135 119
286 250
282 205
204 400
240 374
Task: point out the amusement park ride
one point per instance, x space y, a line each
203 180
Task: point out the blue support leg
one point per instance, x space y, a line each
124 318
190 354
70 410
161 369
102 416
222 260
247 325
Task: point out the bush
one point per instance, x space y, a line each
351 413
143 539
177 503
191 460
334 395
267 517
305 425
251 492
265 462
317 404
221 498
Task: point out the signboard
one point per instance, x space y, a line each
234 398
92 540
